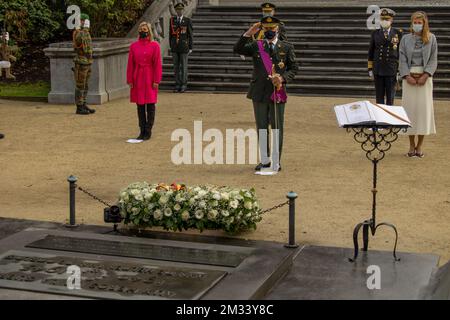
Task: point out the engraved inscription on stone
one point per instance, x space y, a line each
139 250
103 279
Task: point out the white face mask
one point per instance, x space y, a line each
417 27
385 24
87 24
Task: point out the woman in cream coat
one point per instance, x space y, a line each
418 63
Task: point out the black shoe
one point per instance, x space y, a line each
147 134
82 110
183 89
177 89
89 109
2 135
260 166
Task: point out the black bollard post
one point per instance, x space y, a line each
291 196
72 188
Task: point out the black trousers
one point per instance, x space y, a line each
385 89
146 116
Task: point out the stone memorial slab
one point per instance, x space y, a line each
141 250
38 272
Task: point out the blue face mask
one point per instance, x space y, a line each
270 34
417 27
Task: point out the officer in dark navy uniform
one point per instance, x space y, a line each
384 56
268 10
181 40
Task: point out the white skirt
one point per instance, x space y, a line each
418 103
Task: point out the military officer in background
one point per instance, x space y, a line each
181 40
383 57
82 44
274 65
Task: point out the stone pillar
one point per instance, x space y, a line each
108 77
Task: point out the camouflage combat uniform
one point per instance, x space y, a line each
82 44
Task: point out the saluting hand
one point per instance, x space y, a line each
253 29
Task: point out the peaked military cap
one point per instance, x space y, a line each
179 6
270 22
386 12
267 6
84 16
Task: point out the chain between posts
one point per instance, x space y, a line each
275 207
93 196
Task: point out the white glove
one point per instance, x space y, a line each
190 51
242 57
371 74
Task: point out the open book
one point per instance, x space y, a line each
367 113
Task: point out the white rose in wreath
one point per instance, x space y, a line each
225 196
234 204
163 200
168 212
177 207
157 214
225 213
199 214
185 215
248 205
202 204
212 214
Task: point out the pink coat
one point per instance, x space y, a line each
143 70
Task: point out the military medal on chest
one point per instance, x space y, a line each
281 65
394 42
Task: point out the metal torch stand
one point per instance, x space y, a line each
375 141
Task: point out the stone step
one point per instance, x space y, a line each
323 71
324 62
302 30
300 78
302 89
303 21
298 45
226 52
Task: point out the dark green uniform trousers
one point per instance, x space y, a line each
180 65
264 115
82 73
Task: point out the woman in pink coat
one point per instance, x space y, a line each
144 73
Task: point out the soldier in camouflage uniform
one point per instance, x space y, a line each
82 44
6 56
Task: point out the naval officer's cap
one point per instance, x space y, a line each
386 12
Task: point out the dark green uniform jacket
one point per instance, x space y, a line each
261 87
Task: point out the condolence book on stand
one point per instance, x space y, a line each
364 113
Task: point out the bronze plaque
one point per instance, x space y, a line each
141 251
32 271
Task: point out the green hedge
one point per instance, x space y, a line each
43 21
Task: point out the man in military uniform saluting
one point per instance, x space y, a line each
181 38
383 58
273 66
82 43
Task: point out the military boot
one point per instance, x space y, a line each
88 109
82 110
9 75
